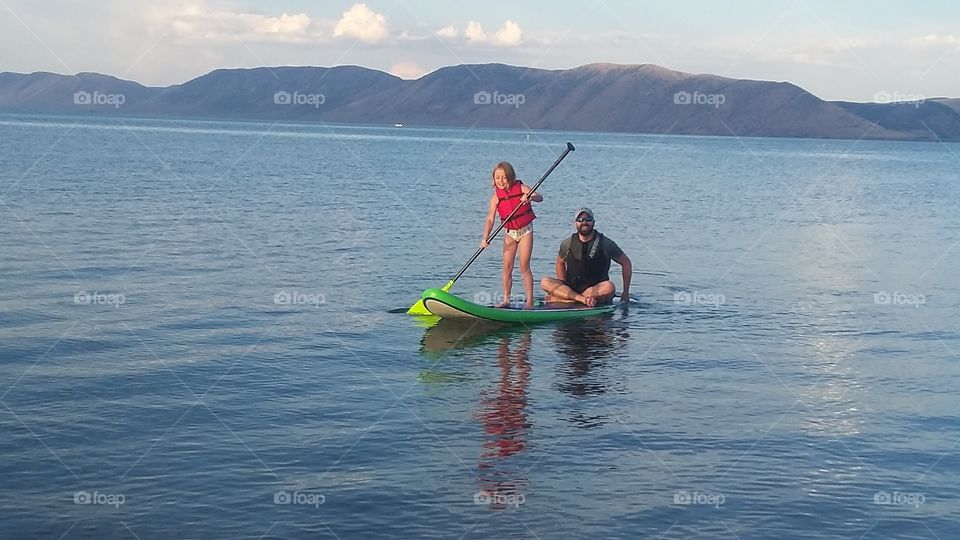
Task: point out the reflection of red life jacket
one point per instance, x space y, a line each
510 199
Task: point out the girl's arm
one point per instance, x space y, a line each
488 224
535 197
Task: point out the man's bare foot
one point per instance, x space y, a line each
588 301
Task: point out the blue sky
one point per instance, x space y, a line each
850 50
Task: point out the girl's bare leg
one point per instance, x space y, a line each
509 255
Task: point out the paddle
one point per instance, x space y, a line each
418 308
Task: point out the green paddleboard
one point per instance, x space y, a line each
447 306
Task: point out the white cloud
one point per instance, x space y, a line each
812 51
933 40
195 21
508 35
362 23
474 32
407 70
407 36
448 32
285 24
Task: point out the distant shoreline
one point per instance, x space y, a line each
598 98
410 129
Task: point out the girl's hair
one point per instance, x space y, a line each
507 170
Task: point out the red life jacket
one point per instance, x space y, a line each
510 199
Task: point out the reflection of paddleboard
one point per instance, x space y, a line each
450 338
448 306
454 334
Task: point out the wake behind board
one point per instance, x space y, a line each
447 306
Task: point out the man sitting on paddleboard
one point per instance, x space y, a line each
583 266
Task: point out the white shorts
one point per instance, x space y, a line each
517 234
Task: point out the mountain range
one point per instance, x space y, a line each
595 97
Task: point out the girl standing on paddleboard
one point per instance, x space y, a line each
511 194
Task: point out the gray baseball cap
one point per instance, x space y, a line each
585 210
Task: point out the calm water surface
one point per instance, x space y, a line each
195 339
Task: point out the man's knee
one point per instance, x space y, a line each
604 288
548 283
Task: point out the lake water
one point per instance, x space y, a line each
195 337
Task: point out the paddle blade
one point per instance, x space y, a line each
418 309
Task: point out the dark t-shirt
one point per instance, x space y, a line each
610 248
587 271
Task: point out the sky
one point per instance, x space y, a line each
839 50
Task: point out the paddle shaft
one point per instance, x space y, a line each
496 231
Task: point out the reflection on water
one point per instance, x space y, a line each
588 345
449 338
444 336
833 400
501 410
504 419
584 350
